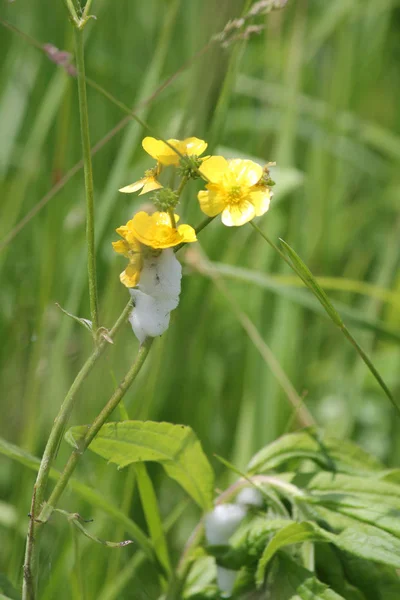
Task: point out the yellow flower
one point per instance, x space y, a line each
157 232
144 230
234 189
132 249
148 183
165 155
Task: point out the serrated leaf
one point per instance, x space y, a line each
294 533
247 543
372 487
88 494
175 447
330 569
376 582
361 540
367 499
378 513
331 454
294 582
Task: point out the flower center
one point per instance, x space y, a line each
235 194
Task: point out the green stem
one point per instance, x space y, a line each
95 428
72 12
199 228
30 562
309 280
172 218
87 166
85 14
181 186
50 452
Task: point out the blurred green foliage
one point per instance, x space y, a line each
317 91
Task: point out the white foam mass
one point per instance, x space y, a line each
220 524
156 295
250 496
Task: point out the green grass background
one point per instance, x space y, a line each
317 91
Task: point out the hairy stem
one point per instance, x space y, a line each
87 166
50 452
95 428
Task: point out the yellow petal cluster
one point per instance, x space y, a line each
234 189
157 232
151 231
131 249
165 153
148 183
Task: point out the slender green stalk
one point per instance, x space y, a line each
308 278
95 428
85 14
199 228
50 452
55 439
72 12
87 166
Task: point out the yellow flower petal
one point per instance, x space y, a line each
150 185
192 146
211 202
187 233
238 214
214 168
163 218
122 247
165 154
156 231
260 199
161 151
122 231
133 187
247 172
130 277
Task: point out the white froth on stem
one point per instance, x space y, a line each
156 295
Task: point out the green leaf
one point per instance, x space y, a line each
294 582
247 544
10 593
175 447
291 534
370 486
376 582
330 569
153 518
359 539
84 491
378 513
330 453
308 278
367 499
283 286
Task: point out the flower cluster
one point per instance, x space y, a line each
237 189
